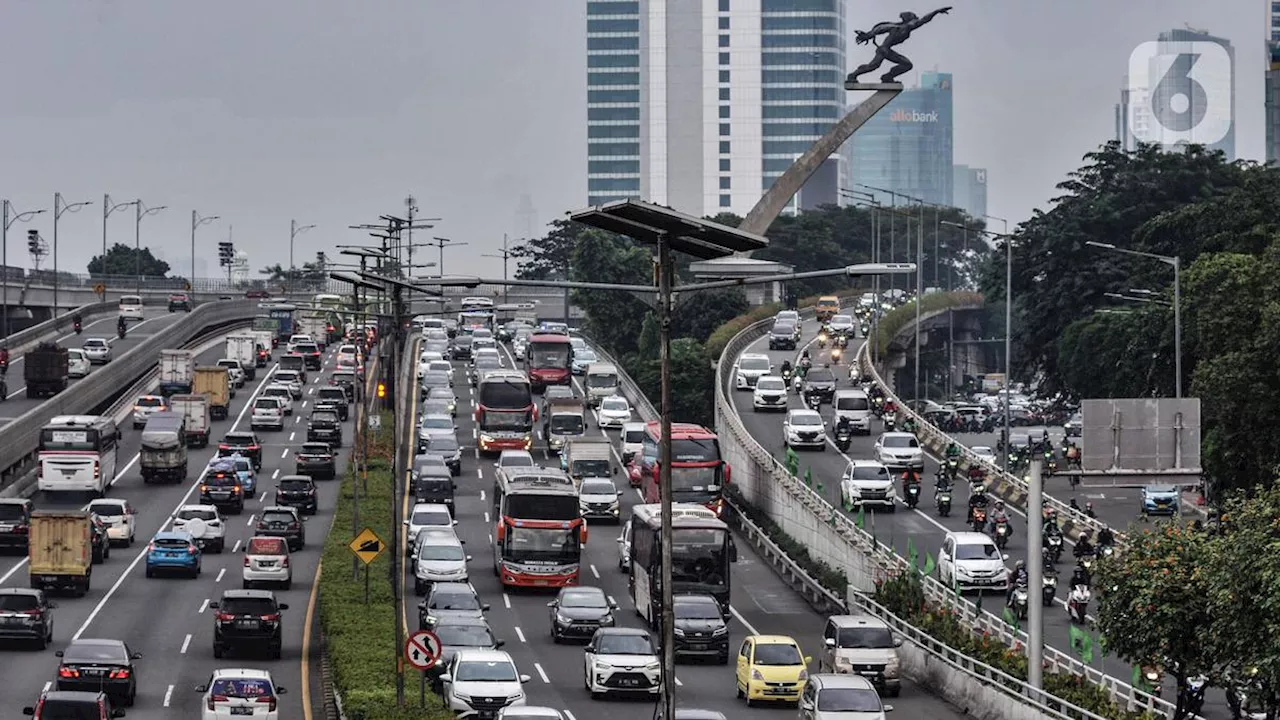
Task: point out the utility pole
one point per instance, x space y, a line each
443 243
9 218
665 270
196 221
1035 576
505 256
60 206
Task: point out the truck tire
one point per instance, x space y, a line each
31 393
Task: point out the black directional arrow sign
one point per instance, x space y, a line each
367 546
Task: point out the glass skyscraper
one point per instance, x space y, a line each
908 147
1272 87
701 105
969 190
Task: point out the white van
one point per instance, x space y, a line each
131 307
855 405
632 440
602 382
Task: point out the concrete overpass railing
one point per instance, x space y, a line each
832 537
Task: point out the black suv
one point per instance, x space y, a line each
311 357
282 521
242 443
24 615
297 491
15 523
434 485
345 380
247 619
315 459
324 426
223 489
700 628
821 382
330 394
782 336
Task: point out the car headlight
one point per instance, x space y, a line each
678 632
486 438
654 666
462 696
602 666
431 620
562 619
720 631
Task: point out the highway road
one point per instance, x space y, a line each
761 604
166 618
156 319
921 527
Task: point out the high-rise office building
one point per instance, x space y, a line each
1272 98
908 147
1136 118
702 105
969 190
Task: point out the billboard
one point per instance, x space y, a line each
1144 435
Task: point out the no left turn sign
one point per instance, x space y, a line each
422 650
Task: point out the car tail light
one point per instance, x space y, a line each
214 699
22 528
119 674
66 672
224 446
151 547
271 703
35 612
97 470
192 549
273 617
246 561
204 488
225 617
286 561
293 526
39 471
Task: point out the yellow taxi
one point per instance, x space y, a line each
828 307
771 667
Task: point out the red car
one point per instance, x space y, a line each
256 294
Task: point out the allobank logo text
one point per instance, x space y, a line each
913 116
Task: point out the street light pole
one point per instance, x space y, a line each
665 271
9 218
505 255
196 221
294 231
109 207
60 206
141 211
442 243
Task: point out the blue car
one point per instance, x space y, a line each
172 551
243 467
1160 500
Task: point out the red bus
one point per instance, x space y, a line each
505 412
540 531
548 359
698 472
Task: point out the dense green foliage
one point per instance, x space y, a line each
123 259
1199 603
308 271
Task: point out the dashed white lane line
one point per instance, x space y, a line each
204 605
236 548
48 685
520 634
285 453
221 572
481 492
275 474
569 714
249 522
506 600
595 572
542 673
168 695
291 436
186 643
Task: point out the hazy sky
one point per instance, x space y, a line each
331 112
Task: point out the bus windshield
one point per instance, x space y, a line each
65 439
505 394
506 419
542 507
704 450
700 556
547 356
547 544
695 484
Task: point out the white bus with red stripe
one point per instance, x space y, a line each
78 453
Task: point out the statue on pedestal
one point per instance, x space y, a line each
894 34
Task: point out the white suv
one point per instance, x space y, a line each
750 368
205 524
804 428
621 660
770 394
268 412
266 559
971 561
867 482
234 370
899 451
482 682
280 391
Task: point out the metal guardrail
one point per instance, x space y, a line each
24 340
832 536
20 438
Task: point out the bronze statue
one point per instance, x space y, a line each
894 34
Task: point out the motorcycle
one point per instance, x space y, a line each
120 331
942 498
1020 601
836 355
889 424
796 383
813 400
1002 533
1195 694
1053 546
844 436
1106 551
1048 589
77 327
1078 604
978 517
1087 561
786 377
842 341
913 495
822 341
1153 677
953 466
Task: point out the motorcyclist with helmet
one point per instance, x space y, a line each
121 325
953 451
1018 577
1084 546
786 368
998 515
1088 510
977 499
1080 576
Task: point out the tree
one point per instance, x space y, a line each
614 318
691 376
125 260
698 314
547 257
1156 604
308 271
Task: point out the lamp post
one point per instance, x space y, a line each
294 231
142 211
196 221
442 243
109 207
1176 263
9 218
505 256
60 206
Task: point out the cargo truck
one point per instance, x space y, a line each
163 455
177 371
60 550
587 457
46 370
195 412
566 419
317 326
268 325
214 382
245 349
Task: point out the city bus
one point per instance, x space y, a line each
701 550
698 471
470 320
505 412
77 453
540 531
548 358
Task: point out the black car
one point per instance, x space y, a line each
460 633
282 521
700 629
782 336
24 615
336 396
449 600
347 381
98 538
578 612
461 349
315 459
434 485
223 489
100 665
297 491
54 704
312 359
324 426
820 381
242 443
247 619
447 447
15 523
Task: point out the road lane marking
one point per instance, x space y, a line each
168 694
204 605
186 643
236 548
520 634
594 571
506 600
542 673
221 572
249 522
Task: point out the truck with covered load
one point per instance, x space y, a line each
316 325
215 382
46 370
60 550
195 412
244 347
163 453
587 457
177 371
566 419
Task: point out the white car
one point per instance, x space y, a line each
438 557
78 364
119 516
515 459
268 412
841 325
234 370
624 548
750 368
984 452
971 561
770 393
291 379
899 451
632 437
299 339
425 515
804 428
266 560
443 366
240 692
621 651
98 350
349 351
614 411
598 499
284 392
530 712
205 524
867 482
487 678
146 406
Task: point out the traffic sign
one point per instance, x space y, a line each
99 288
422 650
375 422
367 546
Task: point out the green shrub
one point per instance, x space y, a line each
904 597
833 579
896 319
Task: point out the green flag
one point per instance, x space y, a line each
977 603
929 566
808 476
861 519
1137 679
793 462
913 556
1010 618
1082 643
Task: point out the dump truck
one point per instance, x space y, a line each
214 382
195 413
177 371
566 419
245 349
163 455
60 550
46 370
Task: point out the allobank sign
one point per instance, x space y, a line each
913 116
